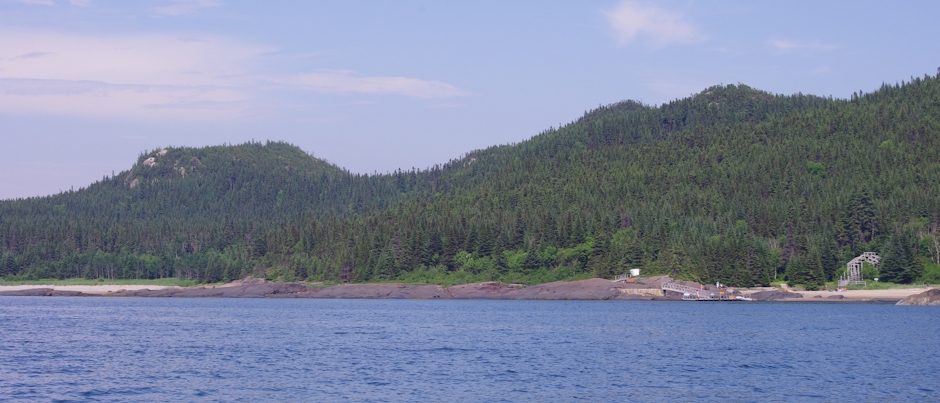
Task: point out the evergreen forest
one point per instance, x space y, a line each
731 184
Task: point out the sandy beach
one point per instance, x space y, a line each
894 294
85 289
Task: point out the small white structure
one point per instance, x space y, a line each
853 270
634 272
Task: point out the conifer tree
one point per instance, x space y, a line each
532 262
716 186
484 245
861 217
900 264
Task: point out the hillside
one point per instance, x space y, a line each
733 185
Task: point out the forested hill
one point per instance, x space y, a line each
732 184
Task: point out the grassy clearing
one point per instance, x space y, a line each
168 282
871 285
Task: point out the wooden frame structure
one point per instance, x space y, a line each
853 270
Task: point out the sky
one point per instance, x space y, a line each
374 86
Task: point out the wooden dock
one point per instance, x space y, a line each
701 294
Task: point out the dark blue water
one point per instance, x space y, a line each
136 349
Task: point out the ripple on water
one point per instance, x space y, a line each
101 349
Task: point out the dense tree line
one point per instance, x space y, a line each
732 185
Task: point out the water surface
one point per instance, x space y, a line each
146 349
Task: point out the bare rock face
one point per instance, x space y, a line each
774 295
246 281
33 292
378 291
592 289
42 292
485 290
262 290
62 293
929 297
252 281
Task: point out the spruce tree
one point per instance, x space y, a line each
435 246
813 276
259 246
862 216
6 265
900 264
532 262
484 246
794 270
634 255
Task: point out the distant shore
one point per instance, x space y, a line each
85 289
894 294
592 289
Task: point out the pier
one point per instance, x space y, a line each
700 294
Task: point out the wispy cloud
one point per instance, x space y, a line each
31 55
180 7
344 81
155 59
80 3
34 2
140 76
98 99
632 20
787 45
166 77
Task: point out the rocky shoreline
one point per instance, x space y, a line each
928 298
592 289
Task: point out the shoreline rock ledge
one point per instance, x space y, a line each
590 289
930 297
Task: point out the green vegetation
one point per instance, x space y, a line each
441 276
900 264
733 185
880 285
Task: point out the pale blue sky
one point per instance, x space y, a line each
85 86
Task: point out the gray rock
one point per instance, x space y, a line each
32 292
929 297
256 290
378 291
774 295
